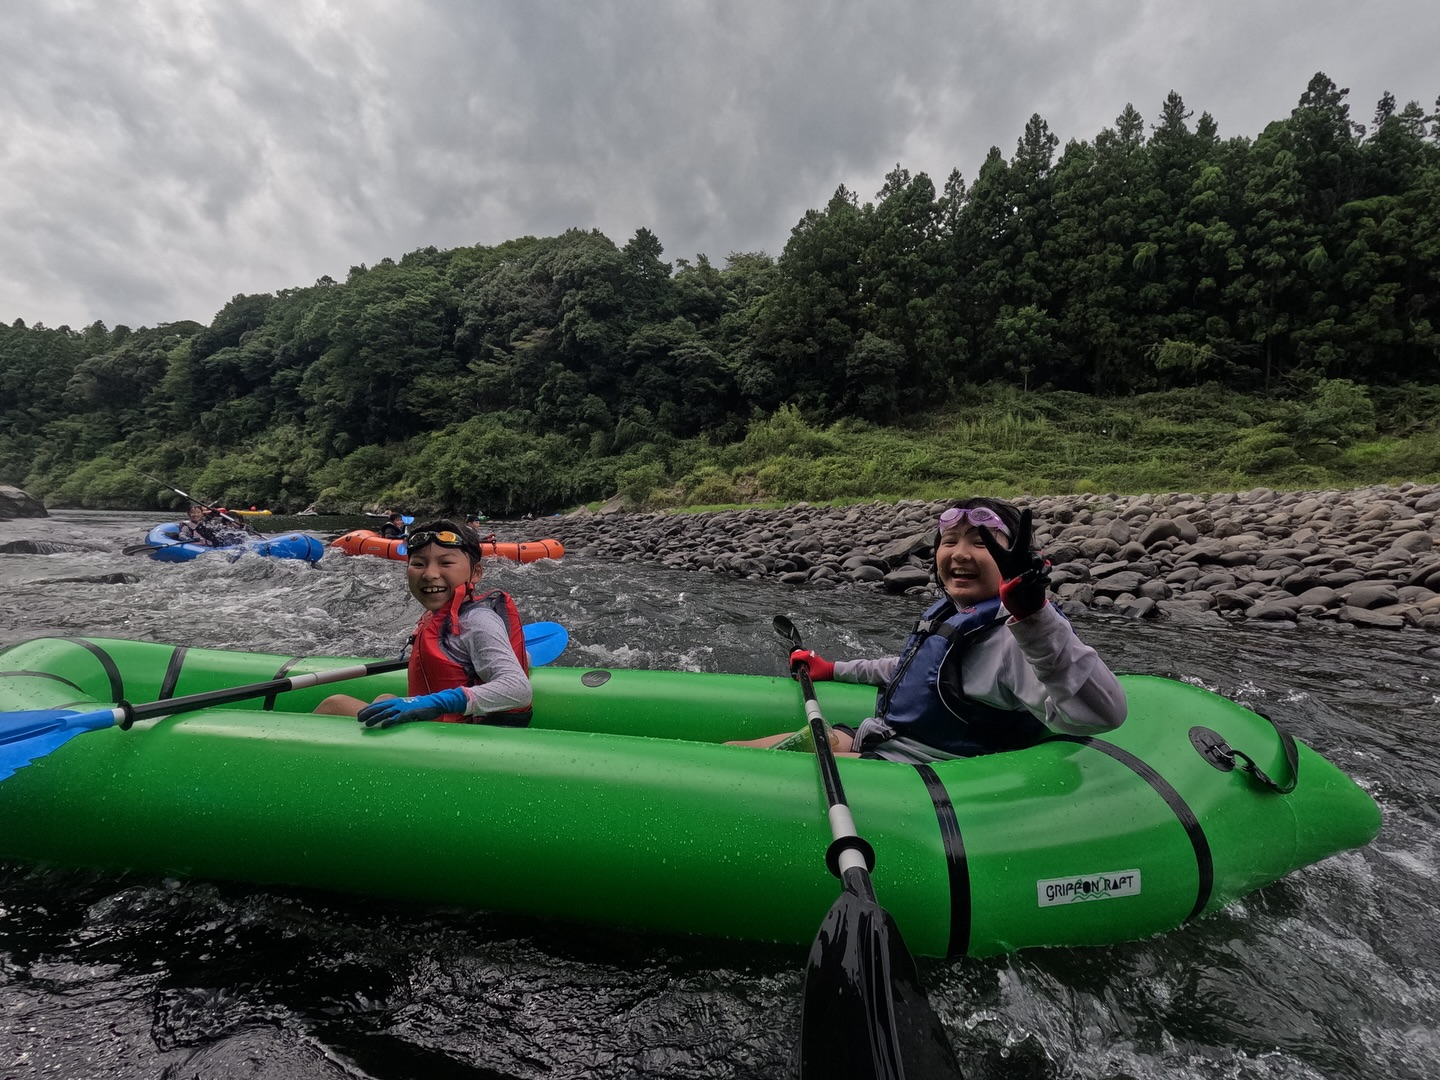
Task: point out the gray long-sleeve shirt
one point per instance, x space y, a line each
484 643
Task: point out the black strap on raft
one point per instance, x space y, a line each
1214 749
172 673
280 673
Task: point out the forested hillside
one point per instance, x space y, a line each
1297 271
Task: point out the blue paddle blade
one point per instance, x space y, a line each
30 723
544 641
17 754
33 733
33 723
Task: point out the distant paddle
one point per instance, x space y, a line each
213 509
31 734
864 1015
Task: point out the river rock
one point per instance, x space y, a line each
1287 608
907 577
1365 617
1414 542
40 547
1371 596
15 503
93 579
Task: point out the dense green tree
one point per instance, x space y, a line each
1326 145
1270 295
809 323
1097 252
649 292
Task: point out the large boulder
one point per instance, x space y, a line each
39 547
15 503
907 577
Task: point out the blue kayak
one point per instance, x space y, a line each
165 538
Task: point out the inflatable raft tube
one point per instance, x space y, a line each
619 806
165 539
368 542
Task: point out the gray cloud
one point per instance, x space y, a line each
160 156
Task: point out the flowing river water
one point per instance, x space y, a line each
1333 972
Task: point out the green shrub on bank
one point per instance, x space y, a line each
638 485
1416 457
999 441
995 440
1261 450
710 485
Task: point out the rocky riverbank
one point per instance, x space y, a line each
1366 557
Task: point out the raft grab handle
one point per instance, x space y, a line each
1211 746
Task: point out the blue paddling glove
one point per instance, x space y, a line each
402 710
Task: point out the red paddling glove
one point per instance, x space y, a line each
1024 573
820 668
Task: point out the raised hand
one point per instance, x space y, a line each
1024 573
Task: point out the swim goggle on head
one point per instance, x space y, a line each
975 515
445 538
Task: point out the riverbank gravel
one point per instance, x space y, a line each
1363 558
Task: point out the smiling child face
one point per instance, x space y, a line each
434 573
965 568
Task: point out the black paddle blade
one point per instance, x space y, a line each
865 1016
786 629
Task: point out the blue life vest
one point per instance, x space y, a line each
925 700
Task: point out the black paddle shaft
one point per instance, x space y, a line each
864 1014
829 771
168 706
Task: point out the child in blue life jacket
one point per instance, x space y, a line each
990 666
394 526
467 656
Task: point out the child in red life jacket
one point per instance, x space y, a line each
991 666
467 657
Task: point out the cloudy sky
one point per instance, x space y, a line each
160 156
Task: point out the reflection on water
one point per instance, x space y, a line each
1330 973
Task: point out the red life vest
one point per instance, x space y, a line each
432 668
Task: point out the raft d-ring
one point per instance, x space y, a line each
1213 748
